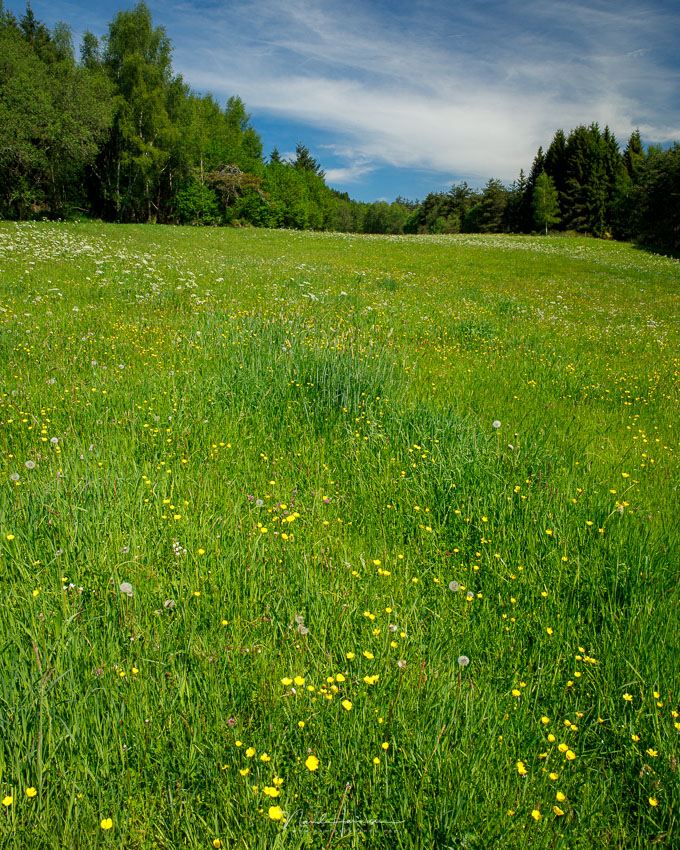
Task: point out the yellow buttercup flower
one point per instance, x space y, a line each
312 763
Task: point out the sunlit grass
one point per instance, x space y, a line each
234 458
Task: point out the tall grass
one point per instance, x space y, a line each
435 478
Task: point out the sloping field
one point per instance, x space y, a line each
337 541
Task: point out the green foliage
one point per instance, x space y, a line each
382 217
196 203
304 161
546 206
658 214
53 117
493 206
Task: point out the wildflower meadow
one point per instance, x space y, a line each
335 541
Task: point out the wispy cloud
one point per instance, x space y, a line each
352 173
428 85
461 89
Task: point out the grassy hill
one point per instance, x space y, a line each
337 541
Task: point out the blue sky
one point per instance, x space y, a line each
409 97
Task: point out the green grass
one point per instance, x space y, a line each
285 444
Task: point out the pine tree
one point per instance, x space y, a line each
514 209
634 156
304 161
492 207
556 165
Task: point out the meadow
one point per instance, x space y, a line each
324 540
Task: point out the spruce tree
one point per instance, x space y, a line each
304 161
634 156
556 165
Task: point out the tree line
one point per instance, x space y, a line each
116 134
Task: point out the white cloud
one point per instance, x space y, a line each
466 89
350 174
473 94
